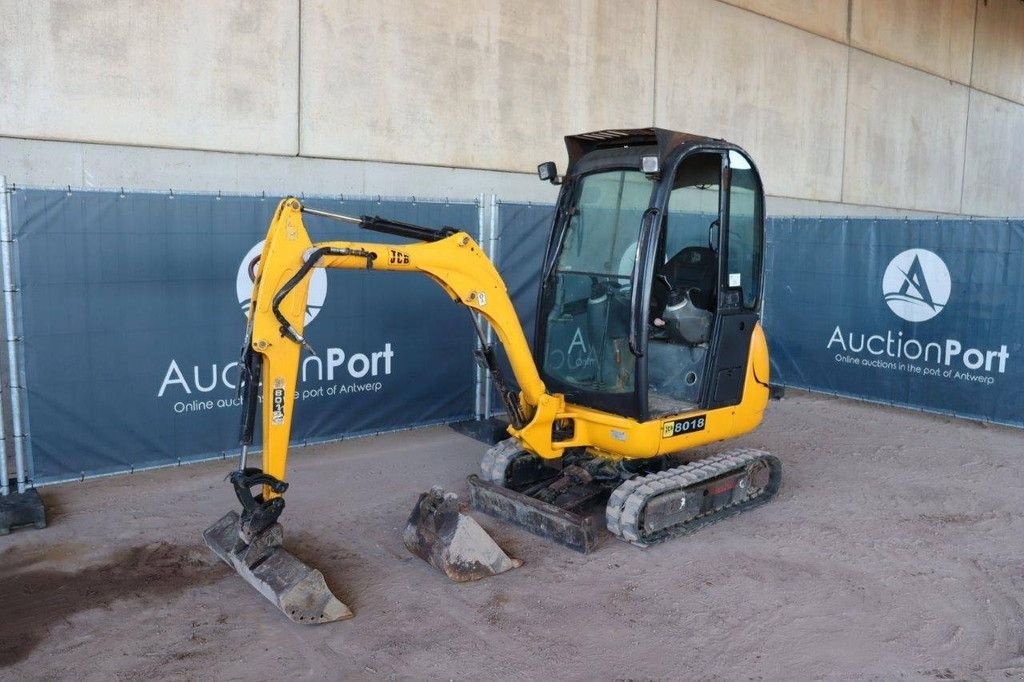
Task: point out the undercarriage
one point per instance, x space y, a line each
643 502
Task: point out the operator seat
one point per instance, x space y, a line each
694 267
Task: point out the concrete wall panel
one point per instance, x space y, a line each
771 88
165 74
999 49
904 137
934 35
478 85
993 183
825 17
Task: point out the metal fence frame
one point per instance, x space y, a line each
10 340
14 416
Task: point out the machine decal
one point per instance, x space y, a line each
278 402
398 257
678 427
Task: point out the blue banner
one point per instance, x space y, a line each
521 237
133 316
922 313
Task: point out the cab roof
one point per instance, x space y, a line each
665 140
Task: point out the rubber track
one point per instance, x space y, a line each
624 512
497 459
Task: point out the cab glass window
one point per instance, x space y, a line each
743 265
586 342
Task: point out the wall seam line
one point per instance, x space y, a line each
1002 97
963 162
848 43
779 21
654 79
849 22
974 42
846 122
298 84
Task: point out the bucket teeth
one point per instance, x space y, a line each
297 589
441 534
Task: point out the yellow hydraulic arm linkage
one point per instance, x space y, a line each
251 542
277 313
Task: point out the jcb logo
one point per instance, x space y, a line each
399 258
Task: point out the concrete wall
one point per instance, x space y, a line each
850 106
190 74
914 158
932 35
783 116
490 88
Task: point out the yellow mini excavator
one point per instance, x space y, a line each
648 343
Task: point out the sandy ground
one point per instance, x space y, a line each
895 550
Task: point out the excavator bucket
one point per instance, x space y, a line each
443 535
297 589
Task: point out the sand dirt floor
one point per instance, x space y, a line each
894 551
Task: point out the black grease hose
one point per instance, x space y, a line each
287 330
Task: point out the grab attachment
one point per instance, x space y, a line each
443 535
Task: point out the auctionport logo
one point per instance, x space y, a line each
243 286
916 285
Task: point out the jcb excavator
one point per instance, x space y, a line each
647 343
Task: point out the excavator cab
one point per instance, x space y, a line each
653 268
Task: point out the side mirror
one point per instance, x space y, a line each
549 172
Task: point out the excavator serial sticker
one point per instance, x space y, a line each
678 427
277 417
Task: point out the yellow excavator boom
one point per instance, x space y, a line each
456 262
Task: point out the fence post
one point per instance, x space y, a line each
5 213
13 366
24 508
492 253
479 373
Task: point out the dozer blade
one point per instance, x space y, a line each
441 534
297 589
547 520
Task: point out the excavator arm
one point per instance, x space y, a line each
275 341
251 542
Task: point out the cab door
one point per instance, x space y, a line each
705 279
684 286
739 297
